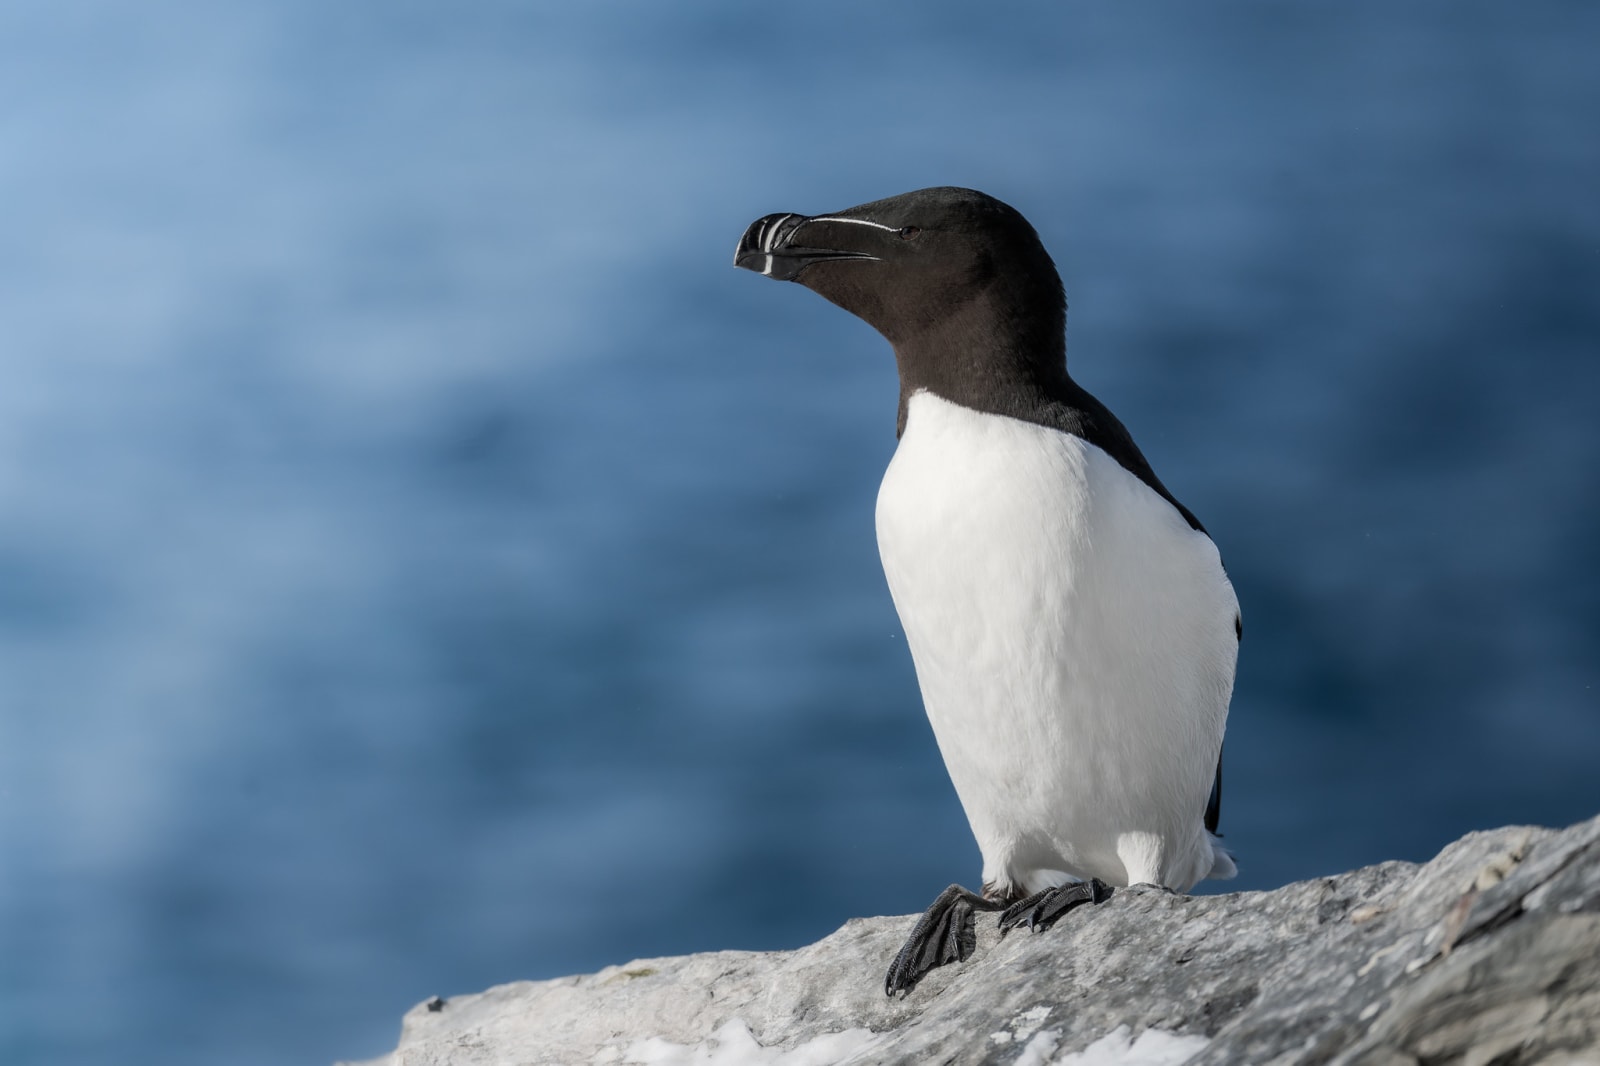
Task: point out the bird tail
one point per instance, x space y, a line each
1222 865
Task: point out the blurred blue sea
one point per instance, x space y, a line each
425 562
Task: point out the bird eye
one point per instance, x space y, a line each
909 233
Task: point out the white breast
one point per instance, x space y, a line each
1074 642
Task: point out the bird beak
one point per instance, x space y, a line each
766 248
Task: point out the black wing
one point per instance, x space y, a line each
1214 804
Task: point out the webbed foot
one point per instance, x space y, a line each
1041 910
945 933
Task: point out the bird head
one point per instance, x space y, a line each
910 264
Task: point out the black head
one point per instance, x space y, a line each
957 281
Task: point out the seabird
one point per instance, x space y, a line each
1073 630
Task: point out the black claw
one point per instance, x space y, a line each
946 933
1043 909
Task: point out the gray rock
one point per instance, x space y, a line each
1487 956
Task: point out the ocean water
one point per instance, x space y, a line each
425 562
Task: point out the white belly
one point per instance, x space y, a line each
1074 642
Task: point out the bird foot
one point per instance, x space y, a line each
945 933
1041 910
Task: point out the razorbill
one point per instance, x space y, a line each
1073 630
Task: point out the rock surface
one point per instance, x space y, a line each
1487 956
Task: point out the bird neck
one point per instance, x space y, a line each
991 354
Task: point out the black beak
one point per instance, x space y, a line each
765 248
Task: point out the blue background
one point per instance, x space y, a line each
425 562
